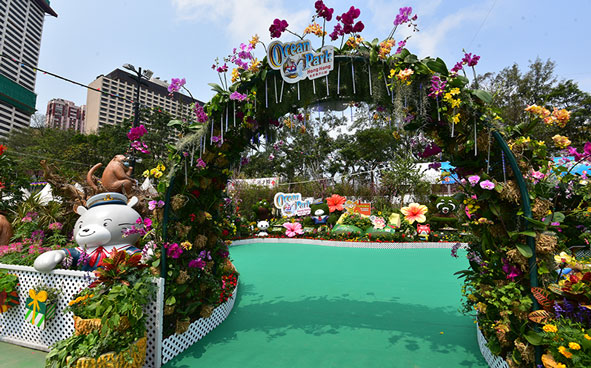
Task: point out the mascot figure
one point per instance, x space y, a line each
99 230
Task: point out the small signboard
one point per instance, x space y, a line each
358 207
297 60
292 204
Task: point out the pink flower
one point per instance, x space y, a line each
176 84
415 212
55 226
474 179
277 28
237 96
136 133
197 263
173 250
293 229
487 184
201 163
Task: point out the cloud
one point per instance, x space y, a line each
428 40
242 18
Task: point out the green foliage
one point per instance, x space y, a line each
8 281
357 220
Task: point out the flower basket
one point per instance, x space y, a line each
85 326
137 352
182 325
8 300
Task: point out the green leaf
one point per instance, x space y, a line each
525 250
528 233
535 222
438 66
483 95
216 88
533 337
174 122
411 59
171 300
558 217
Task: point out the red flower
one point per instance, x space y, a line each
335 202
2 149
192 216
195 192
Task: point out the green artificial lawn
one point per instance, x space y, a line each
315 306
15 356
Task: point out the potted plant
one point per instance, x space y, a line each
109 316
8 295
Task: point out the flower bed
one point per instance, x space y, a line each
14 329
351 244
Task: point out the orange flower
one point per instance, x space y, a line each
414 212
335 202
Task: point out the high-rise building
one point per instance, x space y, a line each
118 89
64 114
21 25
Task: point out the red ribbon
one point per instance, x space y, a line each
97 255
3 297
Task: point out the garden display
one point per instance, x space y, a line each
522 215
8 294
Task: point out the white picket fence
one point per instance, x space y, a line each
13 328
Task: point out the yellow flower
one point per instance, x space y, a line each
316 29
563 257
587 337
254 40
454 91
146 173
392 73
550 328
161 167
254 67
455 102
574 346
153 171
385 48
405 74
561 141
560 365
567 354
158 174
235 75
456 118
186 245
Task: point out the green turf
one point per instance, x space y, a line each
15 356
314 306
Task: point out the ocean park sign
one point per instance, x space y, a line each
292 204
296 60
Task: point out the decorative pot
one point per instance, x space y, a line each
137 352
168 310
85 326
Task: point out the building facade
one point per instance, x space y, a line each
115 101
21 26
64 114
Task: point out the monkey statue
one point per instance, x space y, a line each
116 176
5 231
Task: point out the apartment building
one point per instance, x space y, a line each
64 114
114 102
21 26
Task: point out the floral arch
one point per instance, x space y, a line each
420 95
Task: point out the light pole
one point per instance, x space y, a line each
147 74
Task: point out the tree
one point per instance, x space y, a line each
37 120
513 91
